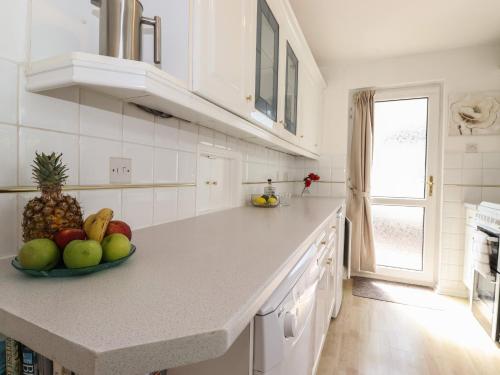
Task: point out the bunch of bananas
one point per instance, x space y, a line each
96 224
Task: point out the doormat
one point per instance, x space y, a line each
404 294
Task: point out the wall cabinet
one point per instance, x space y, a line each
223 53
251 58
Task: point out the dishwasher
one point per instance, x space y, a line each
284 326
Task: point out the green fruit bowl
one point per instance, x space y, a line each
69 272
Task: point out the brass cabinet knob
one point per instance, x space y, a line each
207 182
215 182
249 98
301 136
329 261
323 242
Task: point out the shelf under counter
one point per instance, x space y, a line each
144 84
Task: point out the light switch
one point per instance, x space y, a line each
120 170
471 148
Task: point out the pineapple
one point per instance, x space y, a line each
43 216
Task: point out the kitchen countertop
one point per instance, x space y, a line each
185 296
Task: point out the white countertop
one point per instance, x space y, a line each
185 296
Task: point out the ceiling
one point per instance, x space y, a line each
372 29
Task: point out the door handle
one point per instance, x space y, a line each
430 185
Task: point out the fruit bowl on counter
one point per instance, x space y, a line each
265 201
58 242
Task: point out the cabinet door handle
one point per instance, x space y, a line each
333 226
329 261
249 98
323 242
214 183
207 182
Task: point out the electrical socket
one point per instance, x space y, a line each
120 170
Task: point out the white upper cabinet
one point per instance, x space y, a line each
223 53
310 110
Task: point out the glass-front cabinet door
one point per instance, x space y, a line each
266 78
291 89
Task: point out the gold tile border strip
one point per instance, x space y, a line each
473 185
31 189
282 182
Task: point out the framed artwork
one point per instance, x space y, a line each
474 114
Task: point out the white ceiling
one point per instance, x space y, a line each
367 29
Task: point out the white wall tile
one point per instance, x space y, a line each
453 209
31 140
453 225
100 115
453 160
256 172
167 133
142 162
206 136
472 176
338 174
165 165
94 159
220 140
8 155
186 202
234 144
339 190
138 125
452 194
491 160
473 160
61 26
491 194
8 224
472 194
188 136
8 90
452 241
92 201
165 205
57 110
339 161
137 207
187 167
13 19
491 176
452 176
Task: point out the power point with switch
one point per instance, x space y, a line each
120 170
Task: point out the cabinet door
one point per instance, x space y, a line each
291 90
223 31
310 110
267 58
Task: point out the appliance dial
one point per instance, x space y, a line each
290 324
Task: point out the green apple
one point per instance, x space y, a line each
39 254
115 246
82 253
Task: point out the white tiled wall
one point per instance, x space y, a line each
462 169
89 128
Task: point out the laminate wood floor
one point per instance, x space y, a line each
375 337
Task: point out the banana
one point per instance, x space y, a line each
95 225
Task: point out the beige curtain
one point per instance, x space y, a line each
358 205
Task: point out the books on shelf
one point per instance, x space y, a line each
12 357
18 359
2 355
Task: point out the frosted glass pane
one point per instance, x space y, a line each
399 148
399 236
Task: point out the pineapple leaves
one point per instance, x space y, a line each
49 172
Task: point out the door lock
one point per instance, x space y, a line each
430 185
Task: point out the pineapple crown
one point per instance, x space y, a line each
48 171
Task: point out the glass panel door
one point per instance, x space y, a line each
266 79
292 78
405 141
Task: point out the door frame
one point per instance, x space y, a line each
429 276
235 159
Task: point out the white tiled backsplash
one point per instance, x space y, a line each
89 128
462 169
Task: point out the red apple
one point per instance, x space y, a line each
65 236
117 226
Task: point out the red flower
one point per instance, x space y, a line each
313 176
307 182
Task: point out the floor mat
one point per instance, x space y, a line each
404 294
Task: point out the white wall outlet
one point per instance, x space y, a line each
120 170
471 148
